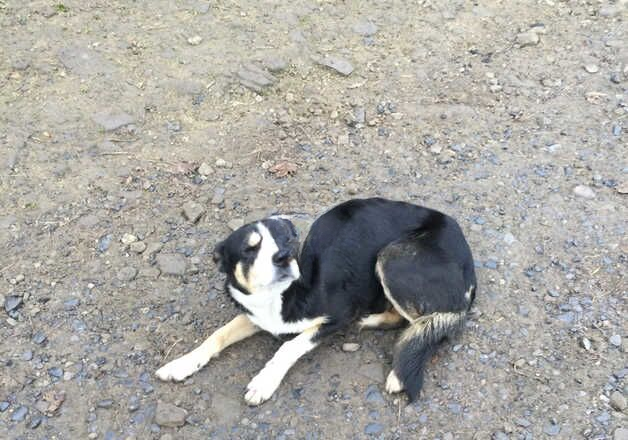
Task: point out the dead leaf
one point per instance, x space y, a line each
284 168
54 399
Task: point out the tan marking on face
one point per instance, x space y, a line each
254 239
242 280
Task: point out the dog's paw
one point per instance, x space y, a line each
393 384
261 388
181 368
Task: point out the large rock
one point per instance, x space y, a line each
169 415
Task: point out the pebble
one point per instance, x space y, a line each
373 428
339 64
4 405
205 170
609 11
138 247
620 434
219 196
27 355
618 401
499 435
113 121
104 242
171 264
584 191
193 211
591 68
551 429
255 78
35 422
509 238
365 28
221 163
39 338
235 223
275 64
585 343
105 403
128 239
55 372
373 395
127 273
615 340
12 303
350 347
195 40
528 38
167 414
19 414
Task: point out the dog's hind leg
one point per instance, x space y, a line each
433 294
387 320
263 386
237 329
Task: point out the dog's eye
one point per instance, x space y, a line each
249 249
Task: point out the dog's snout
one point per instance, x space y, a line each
281 257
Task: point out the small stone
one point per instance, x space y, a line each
338 64
275 64
365 28
195 40
127 273
350 347
622 188
27 355
39 338
528 38
500 435
104 242
205 170
128 239
219 196
19 414
615 340
138 247
193 211
12 303
523 423
586 344
373 429
171 264
584 191
221 163
105 403
55 372
112 121
551 429
620 434
235 223
609 11
4 405
591 68
169 415
255 78
618 401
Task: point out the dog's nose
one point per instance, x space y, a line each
281 257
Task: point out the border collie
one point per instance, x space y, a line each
383 263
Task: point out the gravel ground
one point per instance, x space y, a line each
134 135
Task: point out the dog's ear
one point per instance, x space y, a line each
219 256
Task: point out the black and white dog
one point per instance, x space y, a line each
383 262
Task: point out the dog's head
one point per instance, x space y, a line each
260 256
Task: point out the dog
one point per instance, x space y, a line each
382 263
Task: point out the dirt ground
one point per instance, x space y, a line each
118 116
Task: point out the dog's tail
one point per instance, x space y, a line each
418 344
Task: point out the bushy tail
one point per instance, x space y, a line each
418 344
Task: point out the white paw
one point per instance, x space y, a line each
181 368
393 384
261 388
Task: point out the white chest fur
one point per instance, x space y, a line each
264 307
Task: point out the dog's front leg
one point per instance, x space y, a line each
262 386
237 329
